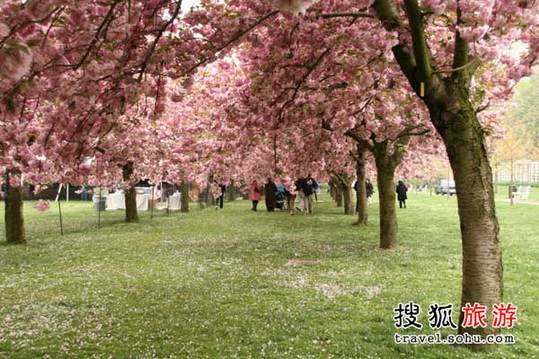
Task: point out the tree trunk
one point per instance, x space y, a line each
184 198
201 199
13 216
455 118
131 214
208 196
386 196
348 199
481 253
496 178
231 192
332 192
338 196
361 190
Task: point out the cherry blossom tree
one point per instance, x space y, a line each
457 57
72 68
306 86
448 51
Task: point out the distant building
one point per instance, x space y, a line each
524 171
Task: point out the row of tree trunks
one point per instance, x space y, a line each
339 197
14 218
13 215
361 190
332 189
335 191
346 189
348 198
386 157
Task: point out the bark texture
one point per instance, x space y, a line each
386 199
348 198
387 156
482 279
343 183
361 190
335 191
231 192
338 196
184 199
131 213
13 216
208 196
448 99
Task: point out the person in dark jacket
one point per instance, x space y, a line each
269 192
355 186
370 190
309 188
401 194
221 198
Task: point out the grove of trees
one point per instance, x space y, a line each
228 91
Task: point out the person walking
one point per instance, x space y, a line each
254 194
370 190
401 194
300 183
309 186
269 192
221 198
291 198
355 186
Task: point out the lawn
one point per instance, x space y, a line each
234 283
502 192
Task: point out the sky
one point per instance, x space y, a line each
186 4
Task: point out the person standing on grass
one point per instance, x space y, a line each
300 183
254 194
309 186
401 194
269 192
370 190
221 198
291 198
84 192
316 190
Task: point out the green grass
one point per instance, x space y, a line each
503 193
216 284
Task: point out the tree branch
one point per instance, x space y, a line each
104 24
418 66
421 50
460 55
361 13
157 38
300 83
389 16
234 38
